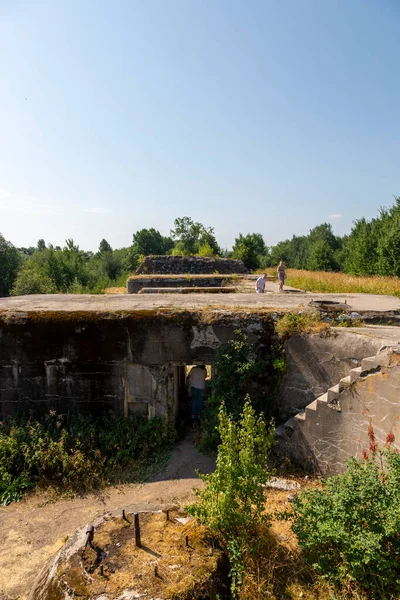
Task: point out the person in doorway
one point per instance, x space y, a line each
260 284
197 383
281 275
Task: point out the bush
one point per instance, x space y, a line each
349 529
232 503
79 455
297 323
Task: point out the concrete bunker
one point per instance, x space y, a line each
118 363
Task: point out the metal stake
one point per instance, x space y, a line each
137 530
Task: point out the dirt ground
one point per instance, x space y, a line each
34 529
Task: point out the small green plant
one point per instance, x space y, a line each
232 502
294 323
349 527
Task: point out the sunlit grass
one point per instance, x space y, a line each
321 281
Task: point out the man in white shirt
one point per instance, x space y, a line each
197 382
260 284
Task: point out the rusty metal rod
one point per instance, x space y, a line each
137 530
89 537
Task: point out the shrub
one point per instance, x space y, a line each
79 455
232 503
297 323
349 529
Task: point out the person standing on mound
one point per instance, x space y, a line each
281 275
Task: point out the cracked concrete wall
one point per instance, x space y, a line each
121 362
316 362
327 438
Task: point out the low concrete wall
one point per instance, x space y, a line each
135 284
316 362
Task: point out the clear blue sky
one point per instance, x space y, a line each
266 116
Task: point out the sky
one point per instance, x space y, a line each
267 116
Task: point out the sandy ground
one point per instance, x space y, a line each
33 530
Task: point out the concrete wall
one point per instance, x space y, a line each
122 362
135 284
330 434
316 362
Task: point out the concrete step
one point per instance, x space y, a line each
369 364
355 374
322 399
345 382
334 392
301 416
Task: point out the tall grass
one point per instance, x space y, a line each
321 281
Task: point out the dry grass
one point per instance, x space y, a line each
321 281
115 290
180 569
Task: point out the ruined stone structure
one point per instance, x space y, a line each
123 362
128 354
177 265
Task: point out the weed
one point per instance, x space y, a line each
78 455
294 323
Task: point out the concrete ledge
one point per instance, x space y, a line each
188 290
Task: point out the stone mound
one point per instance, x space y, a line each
176 265
175 558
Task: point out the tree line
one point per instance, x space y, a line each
371 248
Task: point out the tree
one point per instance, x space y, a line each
41 245
321 257
10 261
189 236
360 248
249 248
104 246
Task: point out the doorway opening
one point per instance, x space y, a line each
184 377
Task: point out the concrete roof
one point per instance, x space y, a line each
133 302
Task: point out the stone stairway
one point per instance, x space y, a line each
331 398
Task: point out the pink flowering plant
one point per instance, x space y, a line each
349 527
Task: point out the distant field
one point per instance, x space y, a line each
321 281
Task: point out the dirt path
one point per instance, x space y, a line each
32 530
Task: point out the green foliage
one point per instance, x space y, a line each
81 454
240 371
232 502
104 246
349 528
190 236
294 323
10 261
31 281
205 250
250 249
